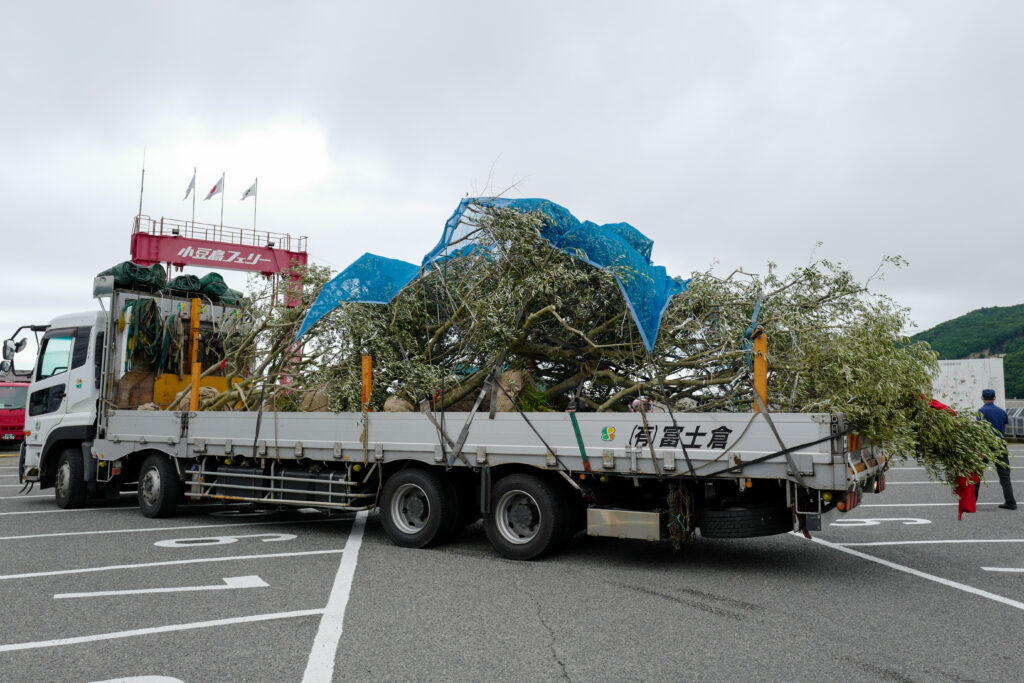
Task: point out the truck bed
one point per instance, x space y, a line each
614 442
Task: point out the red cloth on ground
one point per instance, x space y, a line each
965 489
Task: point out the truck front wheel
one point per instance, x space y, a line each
159 487
69 485
529 517
418 508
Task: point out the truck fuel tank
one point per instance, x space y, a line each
644 526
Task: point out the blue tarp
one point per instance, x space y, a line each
618 247
371 279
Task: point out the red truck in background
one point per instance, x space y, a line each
14 385
12 413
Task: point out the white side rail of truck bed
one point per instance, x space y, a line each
715 444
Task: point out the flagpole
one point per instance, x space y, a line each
193 199
255 198
222 187
142 183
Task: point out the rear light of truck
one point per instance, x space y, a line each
880 483
851 501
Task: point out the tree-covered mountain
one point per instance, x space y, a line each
981 333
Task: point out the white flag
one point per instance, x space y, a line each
191 186
251 192
218 188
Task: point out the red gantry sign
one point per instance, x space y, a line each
181 243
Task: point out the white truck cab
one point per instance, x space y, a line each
60 416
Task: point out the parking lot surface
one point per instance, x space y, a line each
896 590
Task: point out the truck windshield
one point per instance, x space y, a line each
13 398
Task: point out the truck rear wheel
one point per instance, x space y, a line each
159 487
745 522
69 485
528 519
418 508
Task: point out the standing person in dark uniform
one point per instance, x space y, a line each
996 417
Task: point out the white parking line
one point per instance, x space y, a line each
922 575
320 666
117 635
43 512
1013 570
164 528
167 563
936 542
27 495
230 583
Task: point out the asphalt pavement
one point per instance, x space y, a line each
896 590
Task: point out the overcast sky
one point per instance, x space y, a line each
731 133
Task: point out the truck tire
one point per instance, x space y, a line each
159 487
69 488
528 519
745 522
418 508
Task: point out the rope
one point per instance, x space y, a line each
144 333
671 414
172 350
680 506
784 451
747 344
534 429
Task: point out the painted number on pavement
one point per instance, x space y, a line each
877 521
220 540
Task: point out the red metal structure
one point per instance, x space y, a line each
180 243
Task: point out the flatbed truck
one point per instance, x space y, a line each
535 478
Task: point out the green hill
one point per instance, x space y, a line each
986 331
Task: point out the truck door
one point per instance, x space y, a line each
80 402
47 397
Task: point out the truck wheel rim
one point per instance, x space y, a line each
63 477
410 508
151 486
518 517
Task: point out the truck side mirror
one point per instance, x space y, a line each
9 349
5 367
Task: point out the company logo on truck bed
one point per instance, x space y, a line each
674 437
